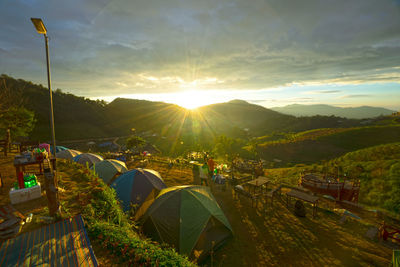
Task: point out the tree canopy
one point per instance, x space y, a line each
135 142
13 115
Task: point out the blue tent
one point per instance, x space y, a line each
138 187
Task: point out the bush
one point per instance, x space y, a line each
107 223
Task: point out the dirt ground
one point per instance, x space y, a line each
263 236
273 236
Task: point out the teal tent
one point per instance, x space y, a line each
188 218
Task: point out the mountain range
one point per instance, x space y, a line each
362 112
168 124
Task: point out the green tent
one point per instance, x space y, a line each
108 169
188 218
396 258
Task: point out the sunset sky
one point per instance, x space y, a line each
272 53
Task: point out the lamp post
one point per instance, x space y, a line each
41 29
50 177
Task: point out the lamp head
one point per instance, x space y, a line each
39 25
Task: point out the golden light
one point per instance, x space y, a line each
192 99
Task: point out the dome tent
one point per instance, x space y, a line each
188 218
138 187
68 154
58 149
108 169
87 158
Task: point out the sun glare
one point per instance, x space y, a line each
192 99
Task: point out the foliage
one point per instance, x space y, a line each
19 120
135 142
378 169
13 115
130 248
165 125
324 144
227 148
108 224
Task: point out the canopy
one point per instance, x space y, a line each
108 169
88 158
188 218
68 154
138 187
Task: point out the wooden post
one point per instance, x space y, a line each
51 189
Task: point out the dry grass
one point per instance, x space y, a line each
275 236
262 237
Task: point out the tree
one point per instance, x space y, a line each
223 146
19 120
253 148
13 115
135 142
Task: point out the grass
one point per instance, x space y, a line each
274 236
263 236
112 233
325 144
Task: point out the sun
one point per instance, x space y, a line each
192 99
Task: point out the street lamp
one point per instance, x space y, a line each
41 29
50 177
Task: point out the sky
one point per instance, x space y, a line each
188 52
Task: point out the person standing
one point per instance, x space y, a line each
211 166
203 174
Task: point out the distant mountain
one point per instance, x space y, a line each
239 114
169 126
327 110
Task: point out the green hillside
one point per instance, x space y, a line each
324 144
74 117
377 167
172 128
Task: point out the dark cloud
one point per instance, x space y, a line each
112 47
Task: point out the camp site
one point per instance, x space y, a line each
200 133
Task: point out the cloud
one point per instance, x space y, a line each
97 47
323 92
256 101
355 96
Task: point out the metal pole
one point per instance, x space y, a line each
51 177
53 135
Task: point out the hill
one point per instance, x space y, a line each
75 117
327 110
324 144
377 167
172 128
